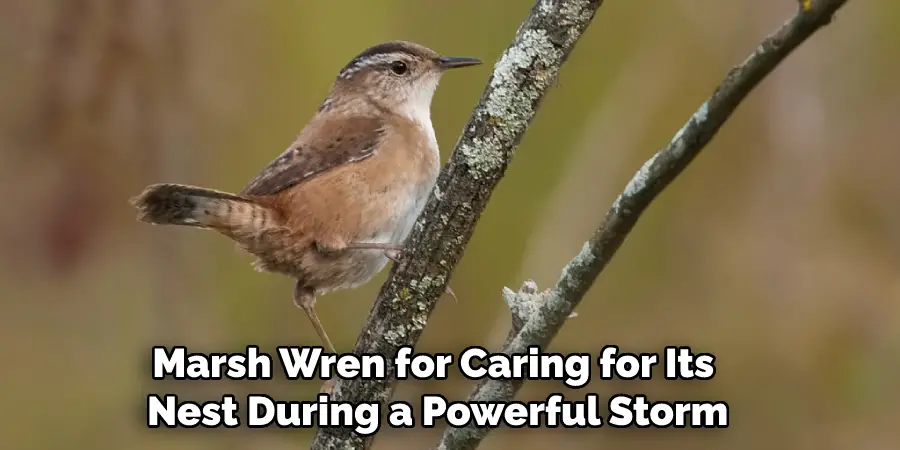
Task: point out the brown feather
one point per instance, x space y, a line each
178 204
323 145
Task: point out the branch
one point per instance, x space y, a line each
546 311
521 77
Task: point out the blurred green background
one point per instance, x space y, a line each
778 250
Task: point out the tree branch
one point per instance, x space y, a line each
546 311
527 69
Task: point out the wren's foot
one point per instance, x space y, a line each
393 255
328 386
393 252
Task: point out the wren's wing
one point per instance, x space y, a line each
327 145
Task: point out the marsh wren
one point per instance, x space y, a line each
347 191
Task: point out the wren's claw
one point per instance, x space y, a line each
449 292
393 255
328 386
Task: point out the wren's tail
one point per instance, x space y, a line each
177 204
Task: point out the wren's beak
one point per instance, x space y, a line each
452 62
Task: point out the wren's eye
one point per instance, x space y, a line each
399 67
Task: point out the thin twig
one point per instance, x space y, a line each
557 303
521 77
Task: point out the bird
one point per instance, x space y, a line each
341 200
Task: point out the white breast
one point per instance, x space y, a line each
409 210
410 203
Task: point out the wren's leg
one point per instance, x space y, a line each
388 248
305 299
375 246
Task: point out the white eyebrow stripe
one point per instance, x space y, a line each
368 62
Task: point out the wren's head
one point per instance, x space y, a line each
396 76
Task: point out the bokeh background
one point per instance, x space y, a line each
778 250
